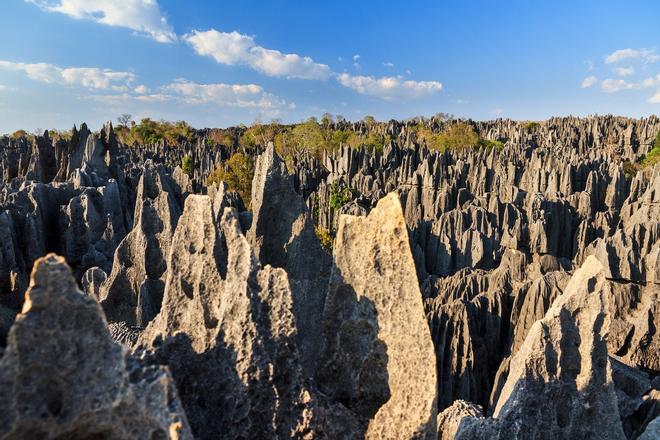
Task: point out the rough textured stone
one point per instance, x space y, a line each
90 388
227 331
134 289
375 331
282 235
560 381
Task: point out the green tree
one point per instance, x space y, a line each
653 157
324 237
531 126
237 173
339 196
187 165
326 120
369 120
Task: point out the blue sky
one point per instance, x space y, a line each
219 63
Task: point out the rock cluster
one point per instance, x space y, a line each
468 294
64 377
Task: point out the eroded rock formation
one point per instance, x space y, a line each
451 304
62 375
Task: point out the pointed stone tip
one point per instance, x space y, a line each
45 265
390 201
47 271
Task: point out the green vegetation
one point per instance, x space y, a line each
259 134
237 174
653 157
19 134
55 135
456 136
630 169
324 237
491 145
149 131
218 136
339 196
531 126
310 139
187 165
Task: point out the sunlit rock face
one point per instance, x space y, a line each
509 291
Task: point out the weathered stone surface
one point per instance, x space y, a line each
134 289
92 280
450 418
282 235
70 380
560 381
375 331
227 331
652 431
494 236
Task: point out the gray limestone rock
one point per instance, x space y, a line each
227 331
70 380
133 290
560 381
282 235
375 331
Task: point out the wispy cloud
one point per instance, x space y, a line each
655 99
645 55
616 85
143 16
624 71
388 64
89 77
588 82
631 66
356 57
231 95
233 48
182 91
389 87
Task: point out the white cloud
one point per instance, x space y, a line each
388 64
650 81
645 55
141 89
614 85
356 57
90 77
498 112
124 98
233 48
655 99
231 95
182 91
588 82
624 71
142 16
389 87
